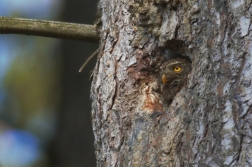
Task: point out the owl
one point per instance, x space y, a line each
173 76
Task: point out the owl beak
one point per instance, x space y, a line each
164 79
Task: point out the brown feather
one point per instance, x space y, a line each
172 81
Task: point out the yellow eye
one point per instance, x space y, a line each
177 69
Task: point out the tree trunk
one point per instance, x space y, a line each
209 120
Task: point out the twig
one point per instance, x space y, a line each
12 25
88 60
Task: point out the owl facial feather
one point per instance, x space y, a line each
173 76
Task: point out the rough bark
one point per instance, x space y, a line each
209 121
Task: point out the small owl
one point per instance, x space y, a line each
173 76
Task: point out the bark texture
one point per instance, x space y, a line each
209 121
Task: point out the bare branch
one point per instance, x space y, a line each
88 60
82 32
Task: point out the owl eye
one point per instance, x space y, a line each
177 69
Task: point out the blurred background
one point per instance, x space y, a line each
45 108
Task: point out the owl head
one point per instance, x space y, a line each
174 73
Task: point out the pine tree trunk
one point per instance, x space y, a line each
208 122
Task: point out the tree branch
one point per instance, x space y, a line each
82 32
88 60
